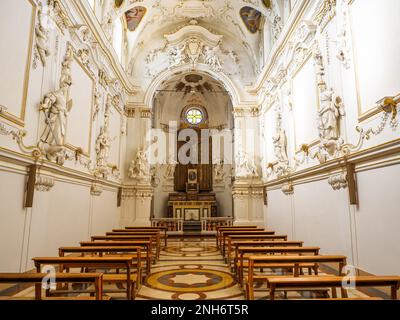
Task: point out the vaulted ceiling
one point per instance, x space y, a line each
239 22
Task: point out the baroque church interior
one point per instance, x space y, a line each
199 149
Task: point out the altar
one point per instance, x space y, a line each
192 207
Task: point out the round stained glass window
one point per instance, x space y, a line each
194 116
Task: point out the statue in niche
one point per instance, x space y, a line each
280 141
103 144
56 107
245 167
170 171
211 58
219 173
329 115
41 39
140 167
329 124
177 56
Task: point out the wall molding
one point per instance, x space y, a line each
387 154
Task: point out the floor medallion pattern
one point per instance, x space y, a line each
190 271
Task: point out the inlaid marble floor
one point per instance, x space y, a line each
190 270
195 270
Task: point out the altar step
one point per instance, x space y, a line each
192 226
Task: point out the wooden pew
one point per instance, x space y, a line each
268 261
280 283
96 263
255 236
36 278
245 252
145 244
222 230
151 238
155 233
233 246
219 229
225 234
134 252
162 229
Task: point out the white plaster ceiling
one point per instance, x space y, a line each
221 17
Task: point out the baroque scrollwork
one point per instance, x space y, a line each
42 50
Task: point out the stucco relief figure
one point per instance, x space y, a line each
245 167
103 144
211 58
319 64
170 171
177 56
97 103
219 173
41 40
140 167
66 74
56 109
277 27
280 145
329 115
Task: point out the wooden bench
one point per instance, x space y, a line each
233 245
244 253
66 263
155 233
259 237
220 234
164 230
268 261
225 234
219 229
151 238
134 252
145 244
281 283
36 278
